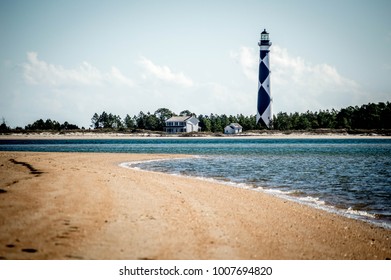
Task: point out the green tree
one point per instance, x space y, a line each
303 122
141 120
232 119
344 118
129 122
68 126
37 125
103 119
95 121
163 114
117 122
327 119
109 123
216 125
3 127
282 121
205 123
224 121
186 113
385 115
151 122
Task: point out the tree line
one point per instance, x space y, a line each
40 125
369 116
50 125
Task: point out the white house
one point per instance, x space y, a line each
182 124
233 128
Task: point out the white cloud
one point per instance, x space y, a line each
39 72
247 60
164 73
118 77
297 85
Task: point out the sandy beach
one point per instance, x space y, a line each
85 206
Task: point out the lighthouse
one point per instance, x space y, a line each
264 106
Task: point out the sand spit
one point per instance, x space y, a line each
84 206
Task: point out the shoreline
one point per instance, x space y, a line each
121 136
85 206
309 201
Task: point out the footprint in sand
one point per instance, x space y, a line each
29 250
29 166
26 250
70 229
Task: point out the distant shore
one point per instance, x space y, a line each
91 134
85 206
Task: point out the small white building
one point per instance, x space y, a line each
233 128
180 124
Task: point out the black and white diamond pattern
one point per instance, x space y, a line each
264 99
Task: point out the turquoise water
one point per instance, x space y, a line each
351 177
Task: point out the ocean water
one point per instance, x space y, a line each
351 177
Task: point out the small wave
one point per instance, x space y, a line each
131 164
351 211
315 200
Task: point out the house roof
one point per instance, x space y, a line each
191 119
235 125
178 119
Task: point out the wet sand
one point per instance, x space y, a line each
85 206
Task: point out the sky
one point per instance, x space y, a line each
66 60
